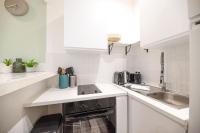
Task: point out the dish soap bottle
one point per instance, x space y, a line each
18 66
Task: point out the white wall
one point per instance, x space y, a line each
176 66
55 26
89 67
146 63
23 36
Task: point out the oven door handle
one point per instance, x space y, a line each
89 116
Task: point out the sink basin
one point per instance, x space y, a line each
175 100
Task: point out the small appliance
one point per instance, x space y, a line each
121 78
90 116
132 78
124 77
137 78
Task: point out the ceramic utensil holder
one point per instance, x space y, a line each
63 81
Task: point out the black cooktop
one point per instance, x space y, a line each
88 89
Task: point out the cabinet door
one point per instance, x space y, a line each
121 114
123 19
194 8
194 74
84 24
162 19
88 22
143 119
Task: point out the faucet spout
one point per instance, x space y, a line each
162 79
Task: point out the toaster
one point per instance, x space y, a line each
121 78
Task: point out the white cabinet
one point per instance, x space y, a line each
84 24
143 119
194 8
161 20
88 23
123 19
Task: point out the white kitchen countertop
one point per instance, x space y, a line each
179 115
14 81
58 96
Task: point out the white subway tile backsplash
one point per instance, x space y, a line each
89 67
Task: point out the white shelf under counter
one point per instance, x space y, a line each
12 82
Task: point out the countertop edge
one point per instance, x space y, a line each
73 100
171 116
18 84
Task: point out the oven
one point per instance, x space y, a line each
90 116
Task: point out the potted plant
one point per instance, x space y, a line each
31 65
7 66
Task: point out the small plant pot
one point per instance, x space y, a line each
30 69
6 69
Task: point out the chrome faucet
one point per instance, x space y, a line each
162 79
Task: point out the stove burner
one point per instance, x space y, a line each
88 89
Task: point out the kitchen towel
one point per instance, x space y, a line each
85 127
102 125
76 127
94 126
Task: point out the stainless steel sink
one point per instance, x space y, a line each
175 100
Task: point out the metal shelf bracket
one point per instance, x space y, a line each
127 49
110 46
147 50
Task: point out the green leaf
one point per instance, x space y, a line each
31 63
7 62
